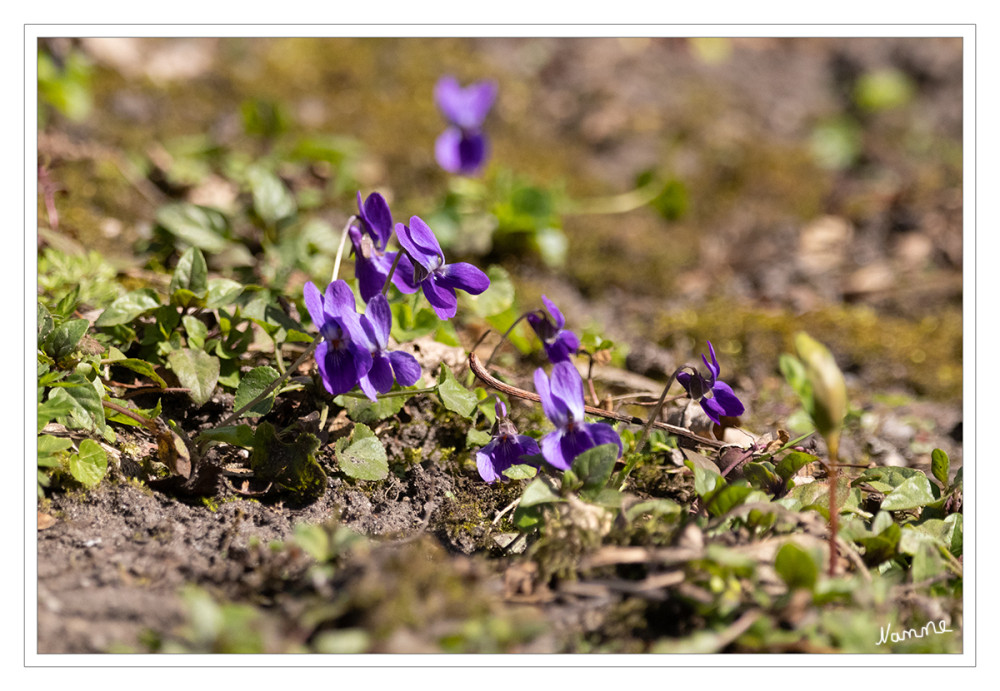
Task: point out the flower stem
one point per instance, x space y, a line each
275 384
477 368
656 408
340 249
618 203
504 337
393 394
833 471
392 270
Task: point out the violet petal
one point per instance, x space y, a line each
463 276
418 239
405 367
443 300
727 400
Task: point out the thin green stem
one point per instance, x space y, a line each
833 444
618 203
275 384
504 337
656 408
392 270
340 249
590 377
393 394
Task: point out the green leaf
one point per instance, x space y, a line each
368 412
196 370
148 413
252 385
521 471
879 548
408 325
886 478
364 458
86 411
495 299
59 406
654 507
191 273
234 435
593 467
128 308
957 484
45 324
706 475
454 396
537 492
761 476
792 463
196 331
727 498
141 367
927 563
182 297
912 493
222 292
271 200
816 496
946 533
63 340
68 303
90 465
796 567
291 467
199 226
49 446
940 466
881 522
314 540
476 438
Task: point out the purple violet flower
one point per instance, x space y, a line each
562 401
463 148
387 366
506 449
429 271
371 262
559 343
716 397
343 357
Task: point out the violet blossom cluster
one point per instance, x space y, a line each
355 350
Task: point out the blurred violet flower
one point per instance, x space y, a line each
716 397
429 272
562 401
387 366
371 262
463 147
559 343
506 449
343 357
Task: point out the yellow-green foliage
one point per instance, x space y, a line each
891 351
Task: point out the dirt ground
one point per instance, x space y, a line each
113 563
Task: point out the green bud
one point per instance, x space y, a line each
829 392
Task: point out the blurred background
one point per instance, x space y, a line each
662 192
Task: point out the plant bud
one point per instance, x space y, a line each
829 392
